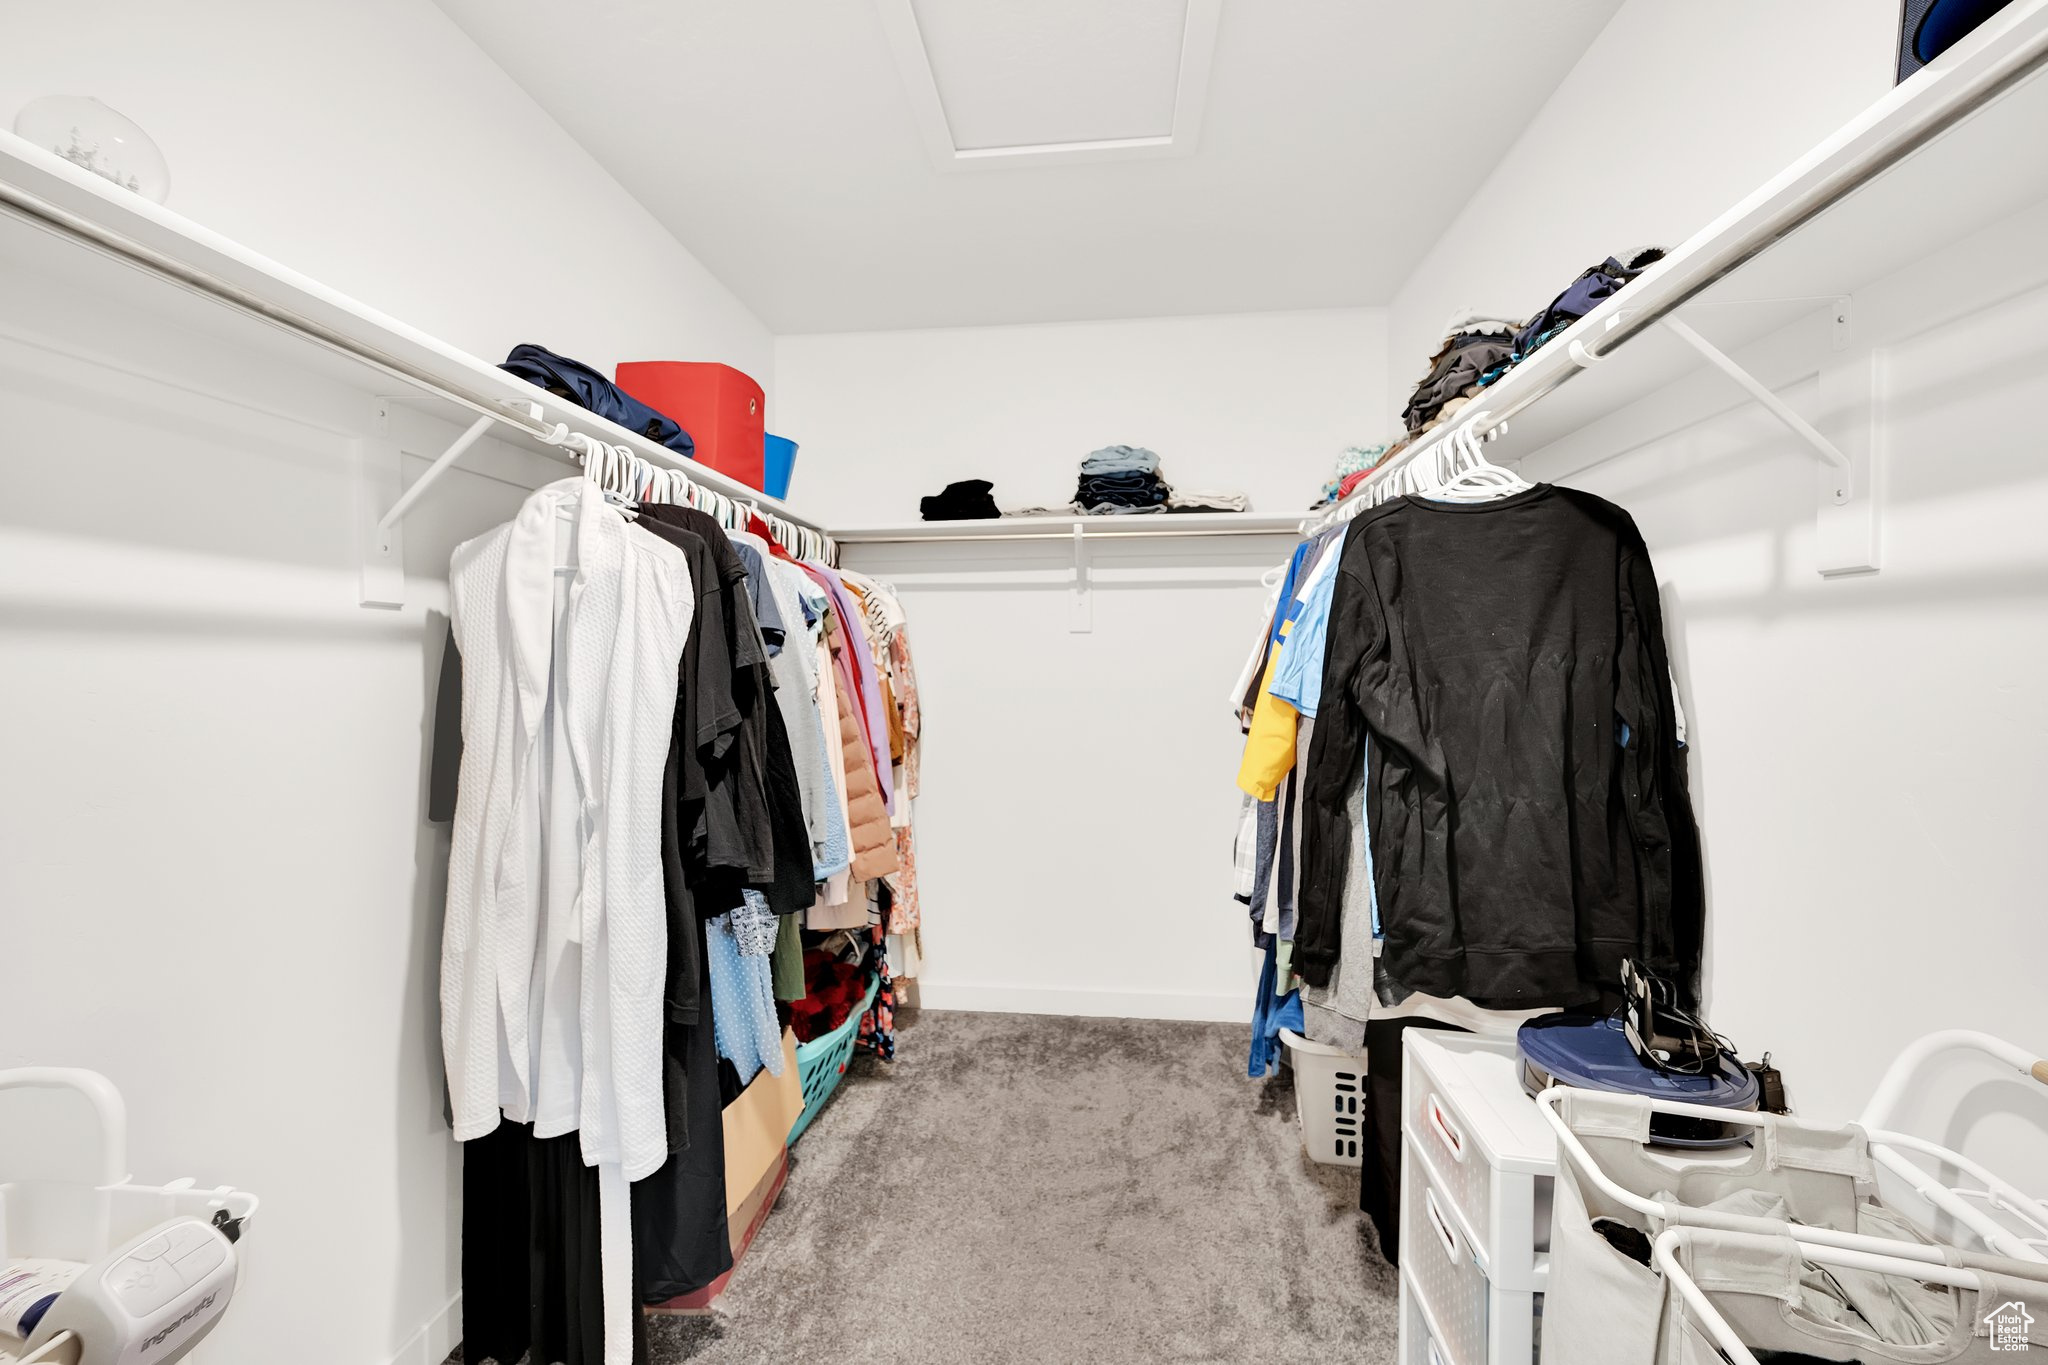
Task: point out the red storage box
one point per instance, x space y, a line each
720 408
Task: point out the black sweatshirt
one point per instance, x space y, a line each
1527 800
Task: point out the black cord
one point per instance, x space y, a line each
1707 1046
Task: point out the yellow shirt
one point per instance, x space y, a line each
1269 745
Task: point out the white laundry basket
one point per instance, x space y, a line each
1329 1100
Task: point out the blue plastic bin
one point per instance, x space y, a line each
821 1062
778 462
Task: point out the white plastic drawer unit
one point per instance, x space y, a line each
1445 1281
1486 1149
1420 1342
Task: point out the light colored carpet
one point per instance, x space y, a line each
1018 1189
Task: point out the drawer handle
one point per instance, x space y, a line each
1446 1130
1445 1233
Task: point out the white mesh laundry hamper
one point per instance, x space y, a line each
1735 1293
1606 1306
1603 1305
1329 1099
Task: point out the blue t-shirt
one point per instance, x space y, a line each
1298 678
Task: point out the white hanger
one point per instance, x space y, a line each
1453 457
625 481
1481 480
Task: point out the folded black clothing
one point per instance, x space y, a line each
1456 368
1122 490
967 500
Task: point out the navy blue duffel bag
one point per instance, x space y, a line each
585 387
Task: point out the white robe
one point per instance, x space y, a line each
555 948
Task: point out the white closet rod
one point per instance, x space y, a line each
1171 533
1919 110
489 408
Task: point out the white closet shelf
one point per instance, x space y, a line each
1158 525
141 255
1953 149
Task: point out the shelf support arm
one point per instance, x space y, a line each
1828 451
433 472
1083 619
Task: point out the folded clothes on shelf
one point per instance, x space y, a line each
1354 460
1133 490
1582 295
1207 500
967 500
1472 347
1120 460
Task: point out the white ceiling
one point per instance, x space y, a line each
1053 71
777 139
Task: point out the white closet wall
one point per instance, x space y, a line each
1868 754
1674 113
1074 841
214 872
371 145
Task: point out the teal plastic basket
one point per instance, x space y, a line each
821 1063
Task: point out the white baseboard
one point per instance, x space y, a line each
432 1343
1095 1004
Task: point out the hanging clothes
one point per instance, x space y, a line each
874 845
793 664
741 943
531 1251
1334 1014
831 715
673 739
571 630
866 689
1530 820
876 1034
907 776
681 1241
1269 741
723 782
569 684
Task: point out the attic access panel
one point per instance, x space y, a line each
1001 83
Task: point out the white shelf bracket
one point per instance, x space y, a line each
1083 619
433 472
1851 391
1844 483
1846 523
378 475
380 549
